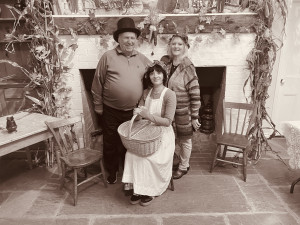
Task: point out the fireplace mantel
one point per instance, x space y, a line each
230 22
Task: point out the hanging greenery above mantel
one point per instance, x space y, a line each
168 24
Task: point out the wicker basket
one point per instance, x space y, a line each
140 137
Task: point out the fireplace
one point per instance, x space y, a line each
212 89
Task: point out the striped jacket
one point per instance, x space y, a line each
184 82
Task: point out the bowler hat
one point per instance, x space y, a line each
125 24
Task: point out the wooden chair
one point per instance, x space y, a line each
72 155
237 120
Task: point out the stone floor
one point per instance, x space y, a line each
222 197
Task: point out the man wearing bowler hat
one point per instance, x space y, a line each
117 88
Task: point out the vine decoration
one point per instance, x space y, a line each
49 58
91 23
260 64
156 23
150 27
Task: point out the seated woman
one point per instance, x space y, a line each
150 176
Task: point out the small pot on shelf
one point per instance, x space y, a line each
11 124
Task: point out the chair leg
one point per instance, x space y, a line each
58 160
224 152
85 172
103 173
63 175
28 155
75 187
245 164
215 158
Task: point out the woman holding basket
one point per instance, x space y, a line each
150 176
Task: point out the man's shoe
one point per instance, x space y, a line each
112 178
135 199
146 200
179 173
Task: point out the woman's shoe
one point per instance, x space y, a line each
135 199
146 200
179 173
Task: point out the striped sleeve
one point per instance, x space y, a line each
192 85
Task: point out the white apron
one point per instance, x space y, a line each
151 175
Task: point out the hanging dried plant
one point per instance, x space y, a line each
260 62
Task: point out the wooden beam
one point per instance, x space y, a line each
230 22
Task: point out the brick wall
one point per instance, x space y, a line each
230 52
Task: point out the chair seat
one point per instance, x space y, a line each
234 140
82 157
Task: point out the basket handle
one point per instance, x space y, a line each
130 125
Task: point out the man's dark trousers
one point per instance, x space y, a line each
113 149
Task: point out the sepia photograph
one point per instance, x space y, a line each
159 112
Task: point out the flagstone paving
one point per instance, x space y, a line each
200 197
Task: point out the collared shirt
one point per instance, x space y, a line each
118 80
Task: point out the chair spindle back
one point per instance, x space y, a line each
240 117
67 134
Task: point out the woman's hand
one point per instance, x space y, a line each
136 111
142 111
196 124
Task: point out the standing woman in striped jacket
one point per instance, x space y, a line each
183 81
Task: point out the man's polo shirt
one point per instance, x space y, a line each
118 80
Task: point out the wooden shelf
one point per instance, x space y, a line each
10 20
230 22
16 42
7 19
12 85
